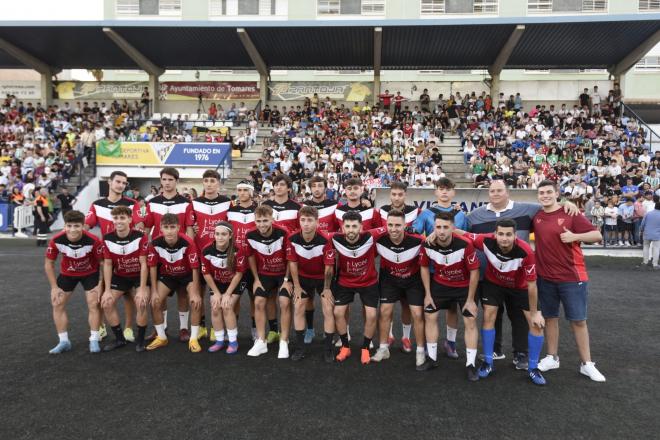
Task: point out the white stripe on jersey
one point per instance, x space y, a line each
74 253
220 263
288 214
267 249
398 257
210 209
502 266
328 210
103 212
308 254
367 214
123 249
410 217
169 256
446 260
240 218
178 208
350 253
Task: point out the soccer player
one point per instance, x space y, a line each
285 210
563 276
208 210
398 202
370 216
455 279
125 273
99 214
510 278
173 267
399 280
223 265
425 224
266 249
311 264
356 274
171 202
81 254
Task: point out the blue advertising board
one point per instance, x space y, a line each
199 154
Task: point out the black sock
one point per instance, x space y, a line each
327 341
300 338
344 340
309 317
202 322
272 325
254 324
118 333
366 342
141 332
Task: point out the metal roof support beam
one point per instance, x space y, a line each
252 51
378 53
142 61
506 50
29 60
633 57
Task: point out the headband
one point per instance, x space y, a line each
245 186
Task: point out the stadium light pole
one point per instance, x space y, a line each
143 63
500 61
378 53
34 63
258 62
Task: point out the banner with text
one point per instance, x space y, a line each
343 91
90 90
209 90
207 155
21 89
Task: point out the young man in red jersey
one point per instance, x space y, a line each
370 215
563 276
285 210
81 253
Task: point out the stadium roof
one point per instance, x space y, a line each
561 42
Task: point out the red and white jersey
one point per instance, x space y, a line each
207 213
99 213
125 252
511 270
312 256
286 214
400 260
176 260
326 209
79 258
269 252
159 206
242 220
451 264
370 216
214 263
410 211
356 262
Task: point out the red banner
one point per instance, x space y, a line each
209 90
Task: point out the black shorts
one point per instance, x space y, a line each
222 287
445 297
270 285
175 283
246 283
124 284
310 286
394 289
68 284
626 227
368 295
494 295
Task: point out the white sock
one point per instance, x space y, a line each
451 334
384 345
165 319
348 332
406 330
232 333
64 337
219 335
94 335
391 326
420 349
433 350
183 320
160 331
471 356
194 333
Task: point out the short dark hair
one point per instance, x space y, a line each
352 216
353 181
548 182
396 213
74 217
318 179
448 216
283 178
445 182
170 171
398 185
507 223
121 210
211 174
308 211
169 218
118 173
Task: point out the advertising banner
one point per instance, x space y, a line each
92 90
209 90
21 89
207 155
297 91
469 198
